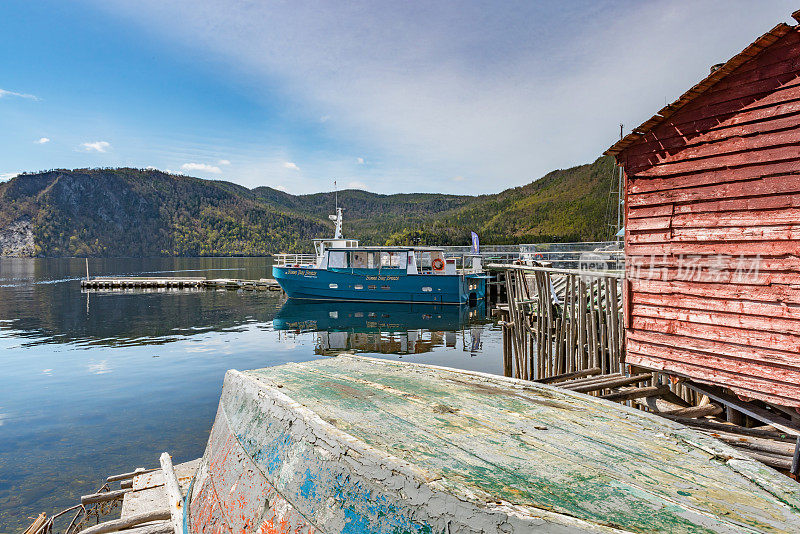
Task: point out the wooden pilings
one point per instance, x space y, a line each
562 321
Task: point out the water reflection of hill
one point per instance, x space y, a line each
383 328
41 301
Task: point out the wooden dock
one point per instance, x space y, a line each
178 282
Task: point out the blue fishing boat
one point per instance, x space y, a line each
342 270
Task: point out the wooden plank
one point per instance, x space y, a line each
37 524
610 383
778 462
714 426
733 320
696 411
589 379
173 491
690 270
776 293
731 219
743 248
636 393
570 375
103 496
717 205
756 444
722 262
766 231
127 522
747 408
126 476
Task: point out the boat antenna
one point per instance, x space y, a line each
336 195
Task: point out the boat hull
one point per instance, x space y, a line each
320 284
357 445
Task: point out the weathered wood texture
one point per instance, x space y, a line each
352 444
713 228
148 489
563 321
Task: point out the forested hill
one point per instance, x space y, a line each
134 212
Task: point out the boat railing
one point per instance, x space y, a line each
294 260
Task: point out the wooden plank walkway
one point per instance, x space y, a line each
178 282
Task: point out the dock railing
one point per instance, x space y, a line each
598 255
562 321
293 260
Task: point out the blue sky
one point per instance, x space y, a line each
460 97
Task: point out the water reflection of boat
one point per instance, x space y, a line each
387 328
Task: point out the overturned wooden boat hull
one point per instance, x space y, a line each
357 445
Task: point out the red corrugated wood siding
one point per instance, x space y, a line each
714 188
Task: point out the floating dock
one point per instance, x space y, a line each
352 444
179 282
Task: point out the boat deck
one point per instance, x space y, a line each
432 448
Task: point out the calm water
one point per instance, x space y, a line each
94 384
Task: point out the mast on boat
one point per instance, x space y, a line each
337 234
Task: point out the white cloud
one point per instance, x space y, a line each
509 93
151 168
290 165
97 146
99 368
357 185
3 93
42 140
7 176
280 188
360 161
224 162
458 178
202 167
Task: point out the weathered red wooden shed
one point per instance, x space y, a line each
712 203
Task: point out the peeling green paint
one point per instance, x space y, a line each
540 448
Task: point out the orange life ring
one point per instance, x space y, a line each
438 264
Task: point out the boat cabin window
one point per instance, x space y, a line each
394 260
425 259
363 259
337 259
